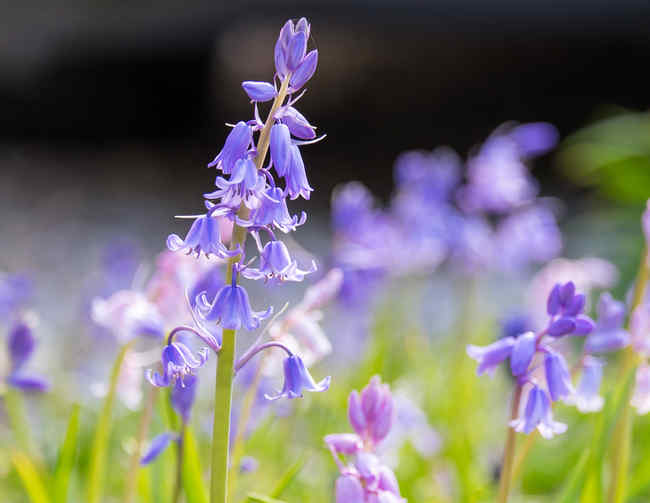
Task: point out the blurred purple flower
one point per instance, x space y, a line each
609 334
537 413
587 397
157 446
641 397
15 291
20 346
490 357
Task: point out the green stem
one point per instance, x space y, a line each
102 432
225 374
620 460
509 454
143 428
179 465
17 418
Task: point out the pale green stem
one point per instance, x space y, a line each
225 374
17 418
100 440
143 429
509 452
620 460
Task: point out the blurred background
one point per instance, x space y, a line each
111 110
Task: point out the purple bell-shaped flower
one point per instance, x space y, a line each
203 237
246 184
273 211
20 345
231 308
298 379
489 357
537 414
277 265
235 148
178 364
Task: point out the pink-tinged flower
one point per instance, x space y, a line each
344 443
536 413
490 357
641 397
298 379
127 314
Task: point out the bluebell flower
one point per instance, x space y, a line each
20 346
490 357
183 394
587 397
290 54
276 264
203 237
259 91
288 162
522 354
298 379
231 308
157 446
537 414
236 147
558 379
178 364
246 185
273 211
565 308
609 334
297 123
428 175
535 138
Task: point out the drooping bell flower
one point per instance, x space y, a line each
231 308
246 185
558 379
277 265
489 357
288 162
522 354
203 237
298 379
273 211
235 148
20 346
537 414
178 364
609 334
587 397
297 123
157 446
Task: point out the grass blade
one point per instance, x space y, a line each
195 490
30 478
66 458
260 498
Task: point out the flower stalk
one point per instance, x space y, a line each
505 479
225 366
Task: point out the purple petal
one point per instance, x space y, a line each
296 53
553 303
522 353
21 345
28 383
305 71
575 306
259 91
158 445
344 443
349 490
535 138
584 325
562 326
280 143
355 414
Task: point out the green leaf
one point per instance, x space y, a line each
288 477
260 498
66 458
576 481
195 490
102 432
30 478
